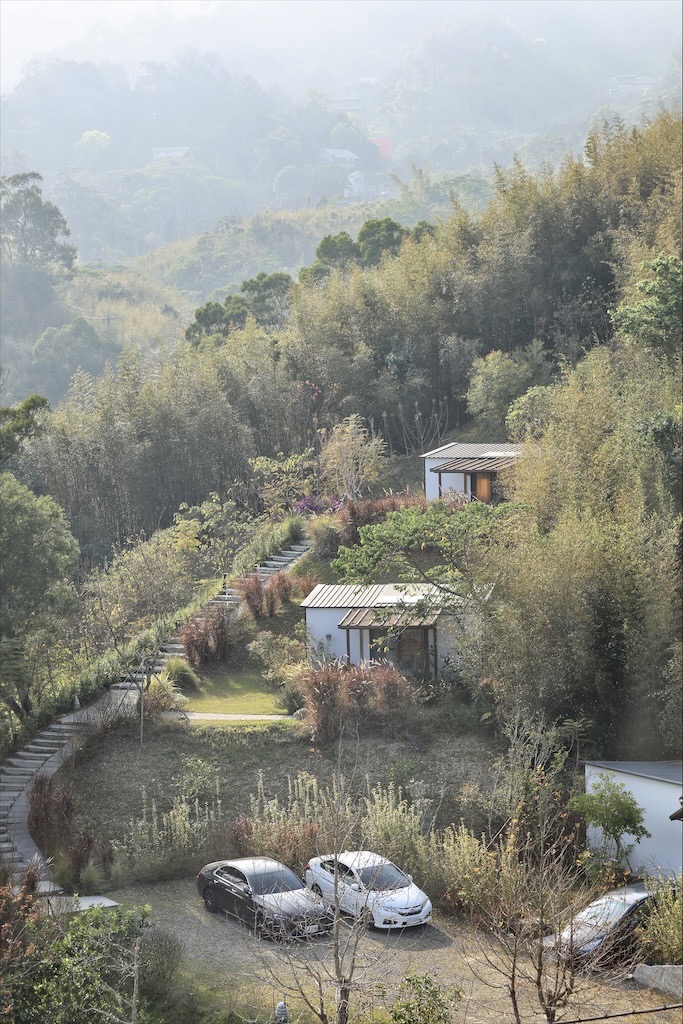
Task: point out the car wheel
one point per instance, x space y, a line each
317 890
210 901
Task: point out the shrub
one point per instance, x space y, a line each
198 779
611 807
51 810
282 586
161 695
271 600
305 584
326 536
161 956
92 879
250 589
469 870
278 655
357 697
290 697
422 1001
315 504
662 935
182 674
217 635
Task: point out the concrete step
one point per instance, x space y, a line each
42 744
27 761
11 856
11 772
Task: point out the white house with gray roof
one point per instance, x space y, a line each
397 622
657 787
469 469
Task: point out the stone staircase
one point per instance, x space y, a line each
47 751
282 561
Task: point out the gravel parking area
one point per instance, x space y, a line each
453 953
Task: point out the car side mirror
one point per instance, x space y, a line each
248 890
355 886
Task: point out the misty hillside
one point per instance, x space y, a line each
137 155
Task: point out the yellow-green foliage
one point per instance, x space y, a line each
128 307
469 867
663 931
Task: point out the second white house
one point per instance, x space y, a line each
402 623
468 469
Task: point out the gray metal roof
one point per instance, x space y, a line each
484 464
473 451
662 771
378 595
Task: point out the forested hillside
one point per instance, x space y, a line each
556 313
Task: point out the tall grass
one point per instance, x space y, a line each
163 844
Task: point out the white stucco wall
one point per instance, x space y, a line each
664 851
323 623
323 626
449 481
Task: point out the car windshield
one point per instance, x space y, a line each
377 877
278 880
603 912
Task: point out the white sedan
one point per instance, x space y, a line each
368 883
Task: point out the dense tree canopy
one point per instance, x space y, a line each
37 555
31 227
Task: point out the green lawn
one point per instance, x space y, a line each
240 691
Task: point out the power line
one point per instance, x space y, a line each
630 1013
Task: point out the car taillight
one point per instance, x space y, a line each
308 867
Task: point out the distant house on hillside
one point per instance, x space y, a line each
170 152
395 622
340 158
469 469
656 787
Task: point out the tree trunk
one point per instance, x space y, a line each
343 994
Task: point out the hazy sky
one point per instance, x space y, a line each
277 39
32 28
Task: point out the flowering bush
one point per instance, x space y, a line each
315 504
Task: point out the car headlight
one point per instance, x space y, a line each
588 947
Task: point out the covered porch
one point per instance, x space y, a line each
406 640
